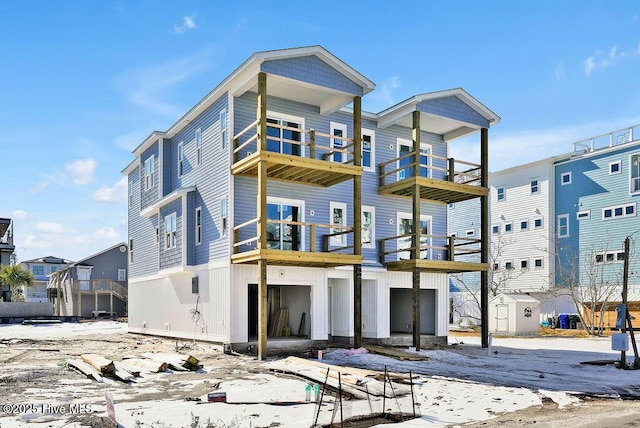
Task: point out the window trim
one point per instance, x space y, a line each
198 138
535 261
583 215
526 223
510 224
615 257
274 115
224 128
619 171
300 203
537 186
341 240
565 174
402 215
507 263
224 216
624 211
149 173
426 147
541 223
372 134
198 226
504 193
526 264
131 193
560 217
334 126
633 179
470 232
181 158
495 229
372 210
130 250
170 234
122 273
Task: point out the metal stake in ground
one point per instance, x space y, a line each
384 391
319 403
413 398
340 391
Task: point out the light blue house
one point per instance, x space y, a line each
597 189
278 166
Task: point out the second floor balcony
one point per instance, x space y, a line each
439 178
295 154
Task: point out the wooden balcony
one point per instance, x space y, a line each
99 286
437 179
305 256
311 157
440 254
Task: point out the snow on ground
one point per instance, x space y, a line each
458 384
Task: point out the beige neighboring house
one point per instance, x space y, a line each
41 268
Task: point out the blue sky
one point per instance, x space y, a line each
84 82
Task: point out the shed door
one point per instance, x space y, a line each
502 318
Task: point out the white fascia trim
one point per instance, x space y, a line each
176 194
152 138
133 165
163 273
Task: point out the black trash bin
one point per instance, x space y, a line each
573 321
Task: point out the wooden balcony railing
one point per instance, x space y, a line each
450 247
469 174
99 286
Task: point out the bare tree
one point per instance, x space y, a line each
593 279
499 277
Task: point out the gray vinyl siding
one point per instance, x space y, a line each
166 167
106 265
152 195
317 199
143 232
593 188
454 108
190 221
171 257
312 69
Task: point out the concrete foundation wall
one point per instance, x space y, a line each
25 309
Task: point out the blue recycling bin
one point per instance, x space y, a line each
564 321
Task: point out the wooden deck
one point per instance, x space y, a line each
434 190
438 266
296 168
296 258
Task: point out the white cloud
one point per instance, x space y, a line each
383 96
39 187
81 171
107 234
589 65
19 215
188 23
147 88
115 194
560 71
49 227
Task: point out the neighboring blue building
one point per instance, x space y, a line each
597 190
41 268
272 168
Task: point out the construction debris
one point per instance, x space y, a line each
98 362
396 353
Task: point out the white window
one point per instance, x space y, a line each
524 224
130 250
583 215
565 178
508 227
282 140
524 264
149 173
537 223
609 257
198 226
500 193
563 225
615 167
338 217
508 265
628 210
180 159
537 263
131 194
284 231
223 216
470 232
368 227
634 173
495 229
452 206
198 146
496 266
405 147
405 227
338 130
535 187
170 231
224 134
368 150
122 274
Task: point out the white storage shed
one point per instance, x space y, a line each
514 314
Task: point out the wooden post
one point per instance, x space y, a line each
79 303
58 295
452 248
357 222
312 238
415 239
451 176
111 303
625 284
485 237
262 216
95 298
312 144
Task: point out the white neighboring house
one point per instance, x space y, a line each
523 234
41 269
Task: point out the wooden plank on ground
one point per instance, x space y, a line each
86 369
121 374
123 365
396 353
177 362
146 365
98 362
